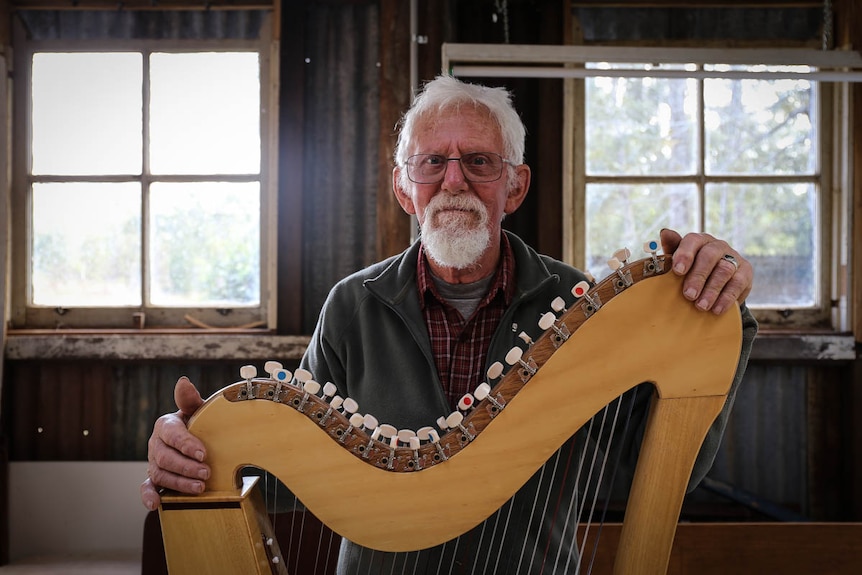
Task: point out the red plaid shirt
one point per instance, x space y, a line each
460 346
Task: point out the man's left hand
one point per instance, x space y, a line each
716 275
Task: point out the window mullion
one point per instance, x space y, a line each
145 180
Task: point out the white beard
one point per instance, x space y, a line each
455 240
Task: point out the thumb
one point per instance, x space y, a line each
669 240
187 397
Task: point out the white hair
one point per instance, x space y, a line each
446 93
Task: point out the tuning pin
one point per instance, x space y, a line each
430 434
390 434
561 333
372 426
414 445
483 391
525 338
456 419
309 388
581 290
334 405
466 402
652 266
528 367
248 372
353 422
624 279
280 376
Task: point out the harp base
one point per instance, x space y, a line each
219 532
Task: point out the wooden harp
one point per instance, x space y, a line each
689 355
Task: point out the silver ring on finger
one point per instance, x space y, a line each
732 260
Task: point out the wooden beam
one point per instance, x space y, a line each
393 225
158 5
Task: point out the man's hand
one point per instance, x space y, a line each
712 280
175 456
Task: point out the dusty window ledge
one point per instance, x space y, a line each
133 345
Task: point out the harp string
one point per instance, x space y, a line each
576 485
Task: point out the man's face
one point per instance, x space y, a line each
459 219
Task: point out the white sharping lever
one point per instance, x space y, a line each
309 388
653 266
430 434
280 376
391 434
372 426
456 419
334 405
354 422
495 371
483 390
593 303
248 372
561 332
624 278
466 402
528 368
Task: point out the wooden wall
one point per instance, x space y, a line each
795 437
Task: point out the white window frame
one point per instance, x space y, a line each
833 69
25 315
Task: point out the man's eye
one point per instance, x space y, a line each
434 160
477 160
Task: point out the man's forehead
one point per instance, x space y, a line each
440 121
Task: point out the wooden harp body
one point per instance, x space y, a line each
644 331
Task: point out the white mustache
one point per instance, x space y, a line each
463 202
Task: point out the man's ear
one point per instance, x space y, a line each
403 196
515 196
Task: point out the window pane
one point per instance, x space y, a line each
620 215
87 113
205 244
641 126
86 244
205 113
773 226
759 126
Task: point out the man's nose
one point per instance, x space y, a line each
453 177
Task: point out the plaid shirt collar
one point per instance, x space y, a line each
503 281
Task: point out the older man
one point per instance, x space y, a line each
409 336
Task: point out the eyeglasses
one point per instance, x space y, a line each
478 167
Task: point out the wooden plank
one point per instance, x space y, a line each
291 128
748 548
188 346
393 225
149 5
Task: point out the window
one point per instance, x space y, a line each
749 145
737 158
144 170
